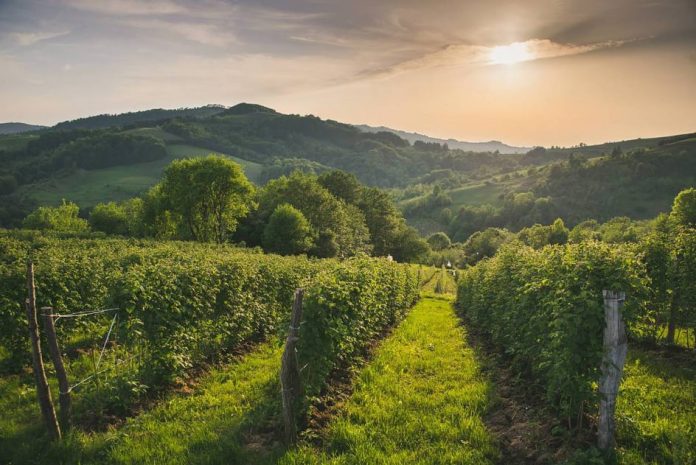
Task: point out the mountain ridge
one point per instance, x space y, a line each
15 127
487 146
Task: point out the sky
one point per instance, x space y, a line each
532 72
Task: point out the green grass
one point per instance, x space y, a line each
440 282
419 401
229 418
156 132
87 188
656 409
477 194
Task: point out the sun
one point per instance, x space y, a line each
510 54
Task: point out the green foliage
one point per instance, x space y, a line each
182 304
286 166
585 231
538 236
110 218
338 229
439 241
209 194
683 284
485 244
342 185
345 309
545 310
288 232
63 219
684 208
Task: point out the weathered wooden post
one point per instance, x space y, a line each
42 390
291 387
615 347
54 350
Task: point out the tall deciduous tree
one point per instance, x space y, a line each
339 228
210 194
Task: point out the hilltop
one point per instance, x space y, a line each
18 128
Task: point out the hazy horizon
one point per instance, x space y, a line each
546 72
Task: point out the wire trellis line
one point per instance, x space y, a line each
106 340
102 371
57 316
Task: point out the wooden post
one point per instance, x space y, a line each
54 351
291 387
615 348
42 390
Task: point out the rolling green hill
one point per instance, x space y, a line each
89 187
113 157
639 184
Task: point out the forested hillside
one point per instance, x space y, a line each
116 157
575 185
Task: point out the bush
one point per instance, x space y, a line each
63 219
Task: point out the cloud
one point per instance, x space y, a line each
463 54
128 7
30 38
206 34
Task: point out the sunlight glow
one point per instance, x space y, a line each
510 54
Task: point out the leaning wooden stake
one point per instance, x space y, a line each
615 347
291 387
42 391
54 350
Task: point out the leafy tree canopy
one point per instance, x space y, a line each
210 195
63 219
288 232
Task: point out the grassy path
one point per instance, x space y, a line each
419 401
231 418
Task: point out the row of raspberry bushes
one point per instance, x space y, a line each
180 303
183 303
544 310
345 310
